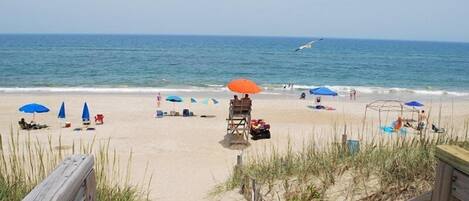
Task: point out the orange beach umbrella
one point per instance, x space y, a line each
244 86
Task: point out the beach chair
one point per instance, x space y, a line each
238 121
159 114
259 129
99 119
23 125
438 130
186 113
86 121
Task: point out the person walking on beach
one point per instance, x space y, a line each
353 94
158 99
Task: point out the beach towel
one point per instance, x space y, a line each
390 130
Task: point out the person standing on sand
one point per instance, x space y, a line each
158 99
422 118
354 94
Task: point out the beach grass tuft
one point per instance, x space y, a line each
25 161
384 169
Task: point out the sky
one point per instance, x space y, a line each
432 20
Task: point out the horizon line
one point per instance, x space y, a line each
234 35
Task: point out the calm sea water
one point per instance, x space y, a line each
141 61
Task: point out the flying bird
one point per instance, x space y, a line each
307 45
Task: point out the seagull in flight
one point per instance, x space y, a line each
307 45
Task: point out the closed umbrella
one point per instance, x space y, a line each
61 114
209 101
85 116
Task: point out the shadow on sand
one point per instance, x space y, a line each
226 143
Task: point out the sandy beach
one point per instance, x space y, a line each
186 155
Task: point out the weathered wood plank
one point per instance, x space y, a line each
73 179
442 187
460 185
424 197
455 156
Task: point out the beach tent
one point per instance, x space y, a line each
322 91
387 106
61 114
244 86
85 116
33 108
193 100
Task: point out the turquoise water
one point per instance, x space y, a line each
145 61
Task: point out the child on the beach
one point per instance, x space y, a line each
158 99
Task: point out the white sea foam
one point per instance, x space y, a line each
372 90
268 89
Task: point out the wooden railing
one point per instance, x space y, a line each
452 175
73 179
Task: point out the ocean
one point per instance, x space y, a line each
139 63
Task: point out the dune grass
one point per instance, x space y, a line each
25 161
396 169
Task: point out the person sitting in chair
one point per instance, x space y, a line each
303 95
246 97
23 124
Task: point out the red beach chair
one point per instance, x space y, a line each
99 119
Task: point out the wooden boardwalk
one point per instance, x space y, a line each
73 179
452 175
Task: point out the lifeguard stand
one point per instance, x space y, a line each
239 119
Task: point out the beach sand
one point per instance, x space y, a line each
186 155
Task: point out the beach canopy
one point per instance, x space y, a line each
193 100
414 104
61 114
244 86
33 108
174 99
85 116
322 91
210 101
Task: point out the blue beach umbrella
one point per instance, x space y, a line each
322 91
85 116
210 101
414 104
33 108
61 114
174 99
193 100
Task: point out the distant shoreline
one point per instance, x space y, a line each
234 35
